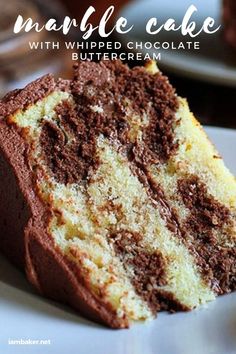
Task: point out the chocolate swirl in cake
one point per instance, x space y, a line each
206 217
149 271
100 93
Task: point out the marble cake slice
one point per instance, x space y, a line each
112 198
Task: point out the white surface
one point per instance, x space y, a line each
212 63
209 330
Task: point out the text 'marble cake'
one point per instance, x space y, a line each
112 197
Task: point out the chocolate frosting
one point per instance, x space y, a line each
26 241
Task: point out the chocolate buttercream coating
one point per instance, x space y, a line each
26 241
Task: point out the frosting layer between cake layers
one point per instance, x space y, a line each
139 199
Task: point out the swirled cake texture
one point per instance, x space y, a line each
139 199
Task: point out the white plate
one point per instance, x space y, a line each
214 62
25 315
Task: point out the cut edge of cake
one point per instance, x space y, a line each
136 227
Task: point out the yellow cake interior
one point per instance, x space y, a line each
83 216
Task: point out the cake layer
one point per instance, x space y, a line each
137 198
